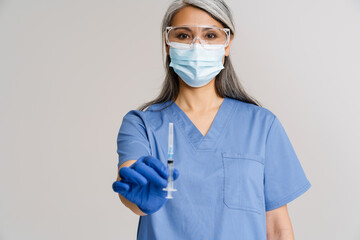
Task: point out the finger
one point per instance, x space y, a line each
158 165
175 174
120 187
151 175
132 176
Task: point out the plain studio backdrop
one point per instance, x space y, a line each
70 71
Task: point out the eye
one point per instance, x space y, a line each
211 36
182 36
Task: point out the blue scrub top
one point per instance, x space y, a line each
244 166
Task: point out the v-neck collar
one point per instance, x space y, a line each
199 141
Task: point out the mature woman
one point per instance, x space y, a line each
235 168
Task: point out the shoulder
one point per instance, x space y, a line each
252 111
150 117
135 115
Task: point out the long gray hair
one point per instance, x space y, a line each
226 82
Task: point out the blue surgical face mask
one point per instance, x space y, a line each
197 66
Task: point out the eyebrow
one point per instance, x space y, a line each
186 28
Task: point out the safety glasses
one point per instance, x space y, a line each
184 36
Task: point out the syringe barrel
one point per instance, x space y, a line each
171 139
171 168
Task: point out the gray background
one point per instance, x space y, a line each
70 70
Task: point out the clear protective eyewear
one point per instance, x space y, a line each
184 36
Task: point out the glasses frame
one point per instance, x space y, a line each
168 28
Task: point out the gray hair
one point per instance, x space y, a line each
227 83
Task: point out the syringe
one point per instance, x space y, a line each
170 186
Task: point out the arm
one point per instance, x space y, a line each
278 224
132 206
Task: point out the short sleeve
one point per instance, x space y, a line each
284 177
132 139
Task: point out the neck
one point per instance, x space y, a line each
198 99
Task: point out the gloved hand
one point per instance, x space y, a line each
142 183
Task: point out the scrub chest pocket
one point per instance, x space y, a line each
243 181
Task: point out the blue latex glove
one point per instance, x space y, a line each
142 183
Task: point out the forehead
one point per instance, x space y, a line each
193 16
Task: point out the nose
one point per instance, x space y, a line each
196 39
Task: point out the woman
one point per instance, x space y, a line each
235 168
